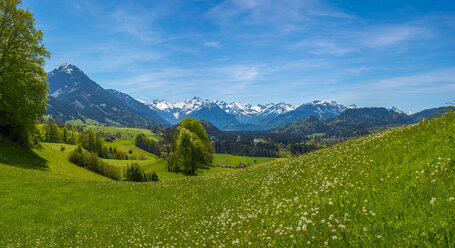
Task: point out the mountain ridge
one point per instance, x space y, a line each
73 95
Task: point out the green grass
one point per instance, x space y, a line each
394 188
85 122
127 133
231 160
160 166
127 145
48 161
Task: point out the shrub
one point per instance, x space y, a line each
152 176
136 173
90 161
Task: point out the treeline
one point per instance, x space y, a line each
53 132
350 123
252 149
91 161
302 148
147 144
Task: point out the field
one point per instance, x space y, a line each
127 133
234 161
393 188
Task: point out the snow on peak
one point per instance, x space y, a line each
242 111
236 108
394 108
67 68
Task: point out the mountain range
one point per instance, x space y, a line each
74 96
241 116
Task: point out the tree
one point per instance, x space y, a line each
23 86
191 148
147 144
196 128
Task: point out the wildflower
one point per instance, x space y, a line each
326 243
334 237
432 200
379 236
451 198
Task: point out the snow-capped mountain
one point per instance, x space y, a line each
243 112
74 96
247 113
244 115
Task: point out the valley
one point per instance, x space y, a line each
345 195
227 123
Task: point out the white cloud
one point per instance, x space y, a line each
437 77
323 46
216 80
393 34
212 44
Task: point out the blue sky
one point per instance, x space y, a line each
369 53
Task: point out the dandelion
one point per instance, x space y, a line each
334 237
326 243
451 198
379 236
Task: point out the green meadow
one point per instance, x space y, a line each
391 189
127 133
234 161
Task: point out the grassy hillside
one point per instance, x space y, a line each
234 161
160 166
394 188
127 133
49 161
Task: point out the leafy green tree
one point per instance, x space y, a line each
196 128
191 148
23 86
65 135
147 144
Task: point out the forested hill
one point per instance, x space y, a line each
355 121
74 96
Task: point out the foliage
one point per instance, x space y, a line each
251 149
302 148
191 148
136 173
23 86
350 123
91 161
147 144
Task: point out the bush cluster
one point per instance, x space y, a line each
90 160
136 173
